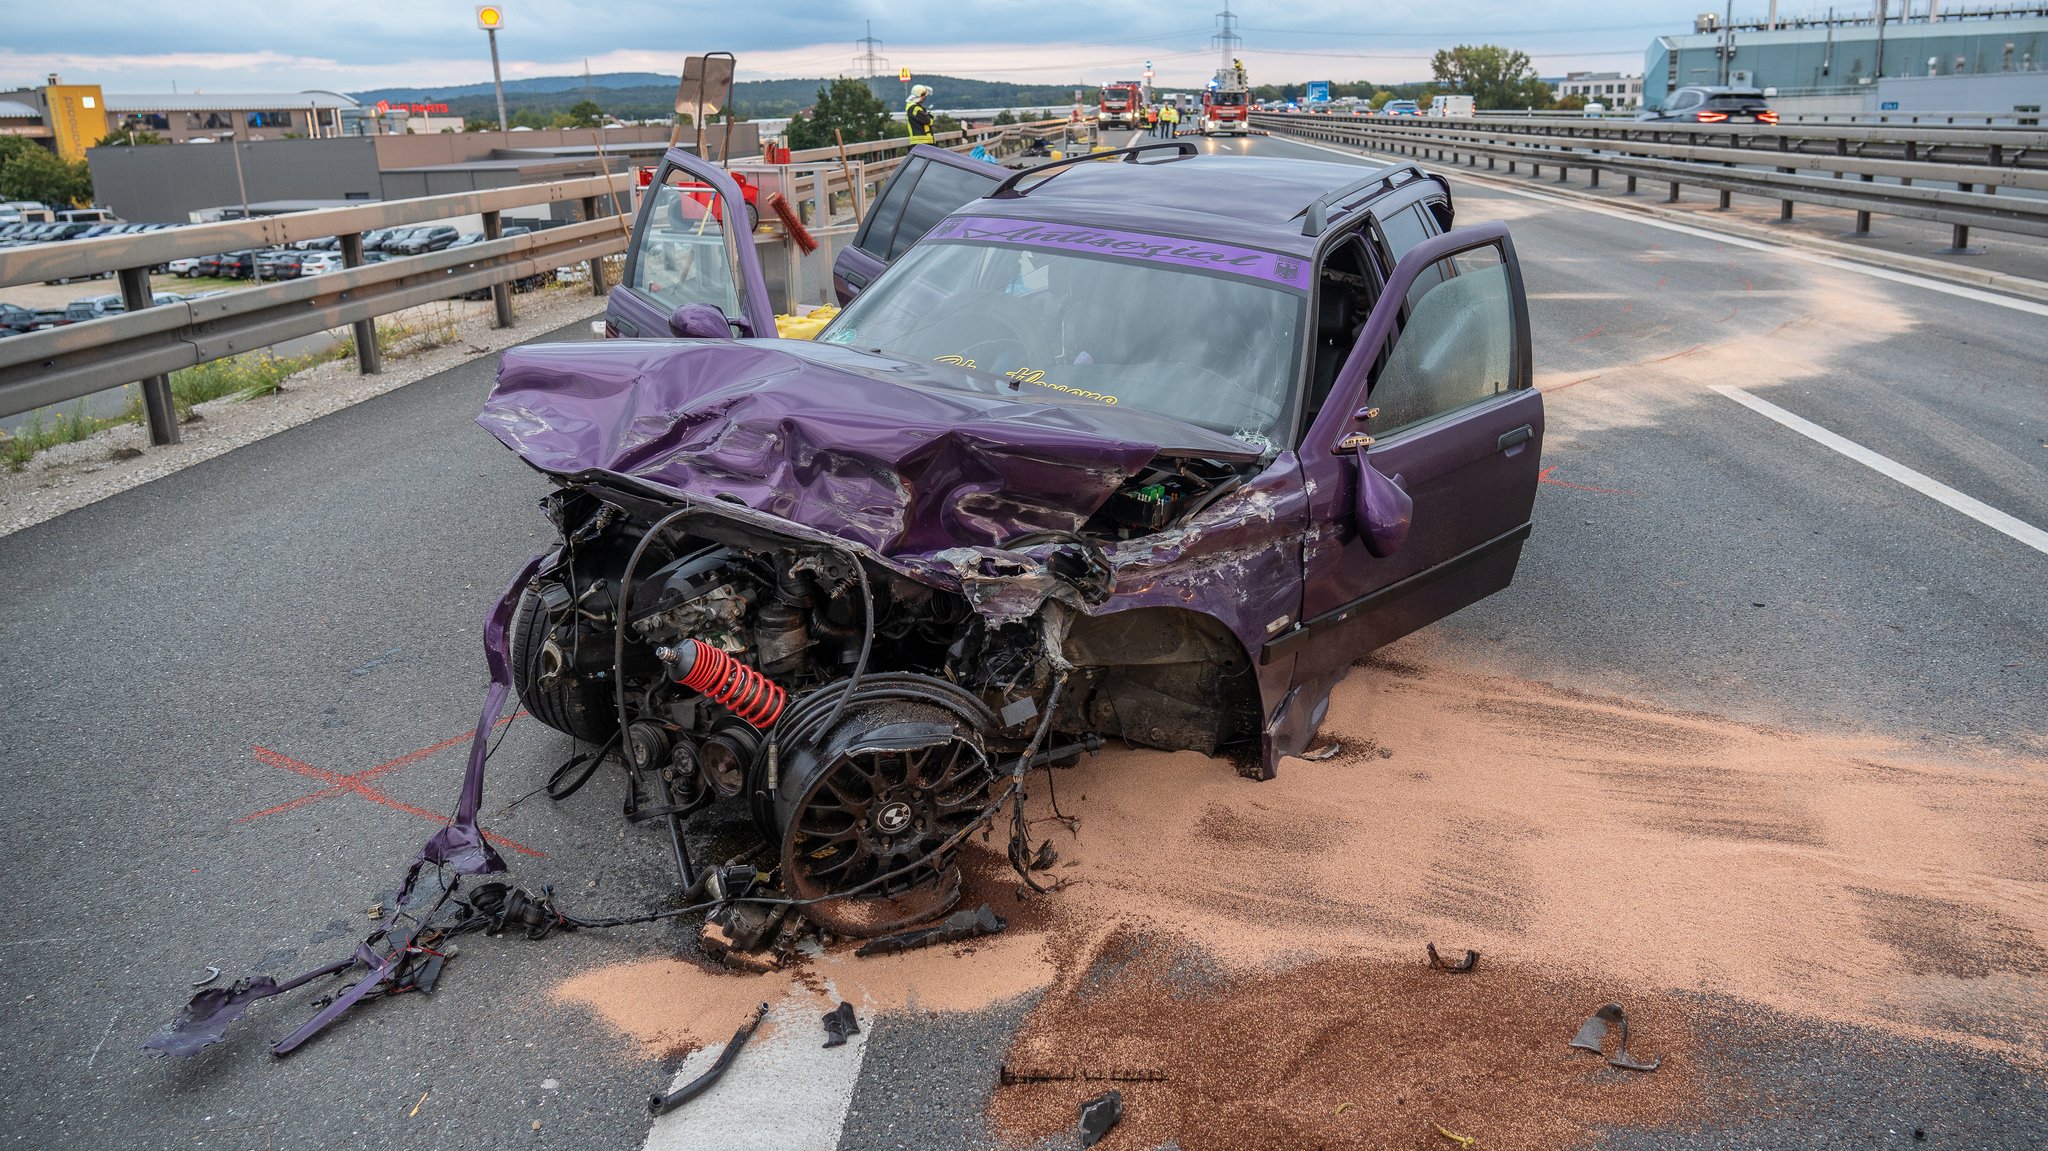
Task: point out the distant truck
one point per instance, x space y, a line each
1226 104
1121 106
1451 106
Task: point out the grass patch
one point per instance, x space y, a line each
397 339
69 427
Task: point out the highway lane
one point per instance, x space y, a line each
1724 563
184 649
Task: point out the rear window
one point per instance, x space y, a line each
1736 101
934 195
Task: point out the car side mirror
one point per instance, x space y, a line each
1383 508
700 322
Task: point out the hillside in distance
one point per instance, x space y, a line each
649 95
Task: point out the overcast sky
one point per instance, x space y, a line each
290 45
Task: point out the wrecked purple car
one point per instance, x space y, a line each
997 512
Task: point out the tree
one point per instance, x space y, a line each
28 171
1380 98
1571 103
1493 76
127 137
1003 117
585 114
847 105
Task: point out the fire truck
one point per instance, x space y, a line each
1227 102
1122 105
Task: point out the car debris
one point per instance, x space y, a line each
1100 1114
1594 1031
1010 1076
663 1104
840 1023
1466 1141
960 925
1439 963
212 973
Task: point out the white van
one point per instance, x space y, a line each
1451 106
88 216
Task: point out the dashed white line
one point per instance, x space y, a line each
1927 486
785 1092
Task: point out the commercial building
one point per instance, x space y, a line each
1613 89
65 118
180 183
1844 53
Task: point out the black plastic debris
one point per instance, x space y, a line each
960 925
1046 857
840 1023
1100 1114
1594 1031
663 1104
1438 962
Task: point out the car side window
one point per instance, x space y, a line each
1685 100
882 218
940 190
1457 346
1403 229
685 255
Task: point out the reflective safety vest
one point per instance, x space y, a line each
1151 115
1170 114
920 119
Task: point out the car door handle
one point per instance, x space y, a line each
625 327
1520 435
854 278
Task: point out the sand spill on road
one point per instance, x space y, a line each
1590 848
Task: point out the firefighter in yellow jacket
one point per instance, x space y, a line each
920 117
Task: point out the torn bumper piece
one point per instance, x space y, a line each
1594 1031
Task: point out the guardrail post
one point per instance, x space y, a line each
1785 206
1726 198
501 293
597 287
1673 198
369 361
1631 185
1592 177
156 390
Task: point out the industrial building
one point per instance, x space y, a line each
1844 56
1612 89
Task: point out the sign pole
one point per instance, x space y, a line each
498 81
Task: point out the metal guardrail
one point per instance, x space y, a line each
1836 167
147 343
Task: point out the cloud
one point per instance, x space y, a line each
293 44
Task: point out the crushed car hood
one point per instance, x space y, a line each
892 453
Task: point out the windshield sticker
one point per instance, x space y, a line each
1202 255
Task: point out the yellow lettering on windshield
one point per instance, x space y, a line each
1037 376
957 361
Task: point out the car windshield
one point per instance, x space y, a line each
1203 332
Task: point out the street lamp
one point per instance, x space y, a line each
490 17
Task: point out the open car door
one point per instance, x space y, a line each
1424 460
693 248
929 185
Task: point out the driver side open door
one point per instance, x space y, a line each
1423 463
693 244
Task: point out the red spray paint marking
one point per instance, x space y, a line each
339 784
1589 335
1543 477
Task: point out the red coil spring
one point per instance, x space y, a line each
726 681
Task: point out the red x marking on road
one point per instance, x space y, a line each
359 784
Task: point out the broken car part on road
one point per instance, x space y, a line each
1594 1031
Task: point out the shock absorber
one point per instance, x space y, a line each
725 681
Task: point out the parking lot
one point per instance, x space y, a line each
1753 746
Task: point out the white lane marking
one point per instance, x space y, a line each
1961 291
1933 489
785 1092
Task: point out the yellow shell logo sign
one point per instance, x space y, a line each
489 16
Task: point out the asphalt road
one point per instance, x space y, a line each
197 651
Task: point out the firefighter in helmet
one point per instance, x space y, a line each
920 117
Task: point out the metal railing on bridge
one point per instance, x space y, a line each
146 343
1946 175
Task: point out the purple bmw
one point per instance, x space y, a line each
1151 449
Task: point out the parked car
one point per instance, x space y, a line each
88 216
1072 526
373 241
92 308
1715 104
278 263
320 263
466 239
16 319
184 267
233 266
432 238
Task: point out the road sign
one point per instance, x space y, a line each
1318 91
490 17
1888 106
903 74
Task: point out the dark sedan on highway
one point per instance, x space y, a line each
1149 450
1711 104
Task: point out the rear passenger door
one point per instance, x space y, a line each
926 187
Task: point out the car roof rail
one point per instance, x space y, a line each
1316 216
1008 190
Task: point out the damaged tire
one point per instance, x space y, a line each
570 704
